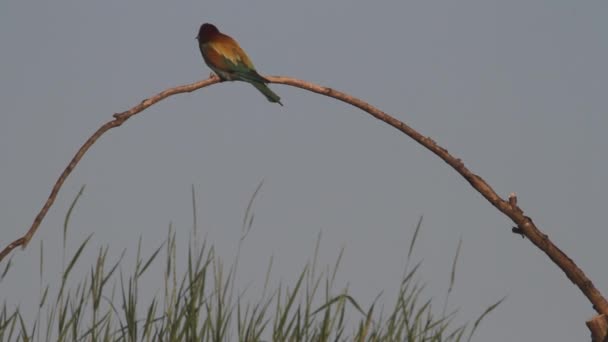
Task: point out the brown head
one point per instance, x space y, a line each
206 32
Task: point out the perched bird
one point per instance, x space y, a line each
226 58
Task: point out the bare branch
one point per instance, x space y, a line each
119 119
598 326
509 207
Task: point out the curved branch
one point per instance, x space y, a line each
509 207
119 119
525 226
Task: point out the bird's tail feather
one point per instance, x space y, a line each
270 95
252 76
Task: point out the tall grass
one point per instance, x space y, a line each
203 302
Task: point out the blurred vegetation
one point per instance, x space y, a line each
201 304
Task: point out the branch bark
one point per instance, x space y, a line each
598 326
119 119
524 224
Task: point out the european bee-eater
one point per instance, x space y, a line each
226 58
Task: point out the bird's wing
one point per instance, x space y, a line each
232 57
224 55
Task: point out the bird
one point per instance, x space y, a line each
229 61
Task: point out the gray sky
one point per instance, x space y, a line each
517 89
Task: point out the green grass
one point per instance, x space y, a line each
203 302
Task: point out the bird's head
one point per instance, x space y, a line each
206 32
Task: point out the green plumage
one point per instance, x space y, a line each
242 72
270 95
226 58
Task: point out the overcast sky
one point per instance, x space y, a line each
517 89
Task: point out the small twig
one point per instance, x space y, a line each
509 207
